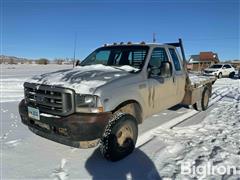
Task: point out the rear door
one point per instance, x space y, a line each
162 90
229 69
179 75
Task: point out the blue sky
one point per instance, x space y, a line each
46 28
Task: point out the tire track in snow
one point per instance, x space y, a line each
13 126
13 143
60 173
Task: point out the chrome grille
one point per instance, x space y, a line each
208 71
49 99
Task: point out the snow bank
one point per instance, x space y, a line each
11 89
12 78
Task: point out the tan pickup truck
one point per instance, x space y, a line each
105 97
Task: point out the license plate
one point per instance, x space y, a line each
33 113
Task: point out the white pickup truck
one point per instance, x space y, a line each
112 91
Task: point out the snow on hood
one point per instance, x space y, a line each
83 79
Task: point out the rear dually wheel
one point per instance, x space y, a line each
202 105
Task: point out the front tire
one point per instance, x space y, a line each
231 75
220 75
120 137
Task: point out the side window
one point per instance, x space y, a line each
227 66
158 55
175 59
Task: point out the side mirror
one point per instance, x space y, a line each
77 63
224 67
166 69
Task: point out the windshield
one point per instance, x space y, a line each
216 66
133 56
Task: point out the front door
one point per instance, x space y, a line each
162 89
224 70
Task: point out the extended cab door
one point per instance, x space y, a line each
179 75
162 86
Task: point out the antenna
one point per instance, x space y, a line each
74 50
154 37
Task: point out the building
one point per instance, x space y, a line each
234 63
202 61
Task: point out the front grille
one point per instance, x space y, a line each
209 72
49 99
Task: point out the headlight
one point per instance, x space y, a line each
88 104
86 100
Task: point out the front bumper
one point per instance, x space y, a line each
210 74
81 130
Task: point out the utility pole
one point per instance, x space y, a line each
74 50
154 37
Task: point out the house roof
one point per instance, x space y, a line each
207 56
204 56
194 58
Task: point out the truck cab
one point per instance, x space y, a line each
158 72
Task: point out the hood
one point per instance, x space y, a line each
83 79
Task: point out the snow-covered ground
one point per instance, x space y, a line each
12 78
209 141
205 150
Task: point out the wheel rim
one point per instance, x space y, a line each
124 133
205 99
220 75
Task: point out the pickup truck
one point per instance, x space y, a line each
104 98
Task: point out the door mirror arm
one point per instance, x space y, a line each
77 63
151 70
